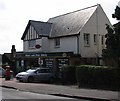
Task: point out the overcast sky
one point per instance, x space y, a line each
15 14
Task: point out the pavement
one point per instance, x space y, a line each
63 90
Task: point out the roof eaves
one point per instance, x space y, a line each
64 35
25 31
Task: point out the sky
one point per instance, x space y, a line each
15 14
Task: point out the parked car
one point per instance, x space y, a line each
2 72
38 74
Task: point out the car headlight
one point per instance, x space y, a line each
22 75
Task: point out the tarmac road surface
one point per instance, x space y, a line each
13 94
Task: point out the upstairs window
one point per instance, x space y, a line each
102 40
86 39
95 39
32 43
57 42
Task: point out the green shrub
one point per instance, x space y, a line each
69 74
100 77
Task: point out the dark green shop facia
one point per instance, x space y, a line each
49 60
37 54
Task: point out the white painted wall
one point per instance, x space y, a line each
67 44
45 44
0 60
95 25
27 49
102 21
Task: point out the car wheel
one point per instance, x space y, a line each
30 79
20 81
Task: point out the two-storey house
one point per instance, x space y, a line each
75 36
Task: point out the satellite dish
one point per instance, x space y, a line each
119 4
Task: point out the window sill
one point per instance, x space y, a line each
57 46
86 45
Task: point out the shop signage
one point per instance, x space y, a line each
36 54
40 61
37 46
22 63
48 62
63 62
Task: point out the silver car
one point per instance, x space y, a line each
38 74
2 72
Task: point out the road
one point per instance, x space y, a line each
14 94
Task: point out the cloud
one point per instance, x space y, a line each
3 27
2 6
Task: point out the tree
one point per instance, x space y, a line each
112 50
117 13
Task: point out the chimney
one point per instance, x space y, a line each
13 51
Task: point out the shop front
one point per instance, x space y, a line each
54 61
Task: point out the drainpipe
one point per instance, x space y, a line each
78 44
97 53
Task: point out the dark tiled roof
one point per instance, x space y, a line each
71 23
63 25
42 28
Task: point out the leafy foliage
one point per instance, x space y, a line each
117 13
98 77
113 39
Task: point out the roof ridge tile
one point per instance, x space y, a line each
74 11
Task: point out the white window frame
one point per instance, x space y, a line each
86 39
57 42
31 43
95 39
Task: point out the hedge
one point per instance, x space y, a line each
100 77
68 74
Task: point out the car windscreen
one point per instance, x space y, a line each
30 71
